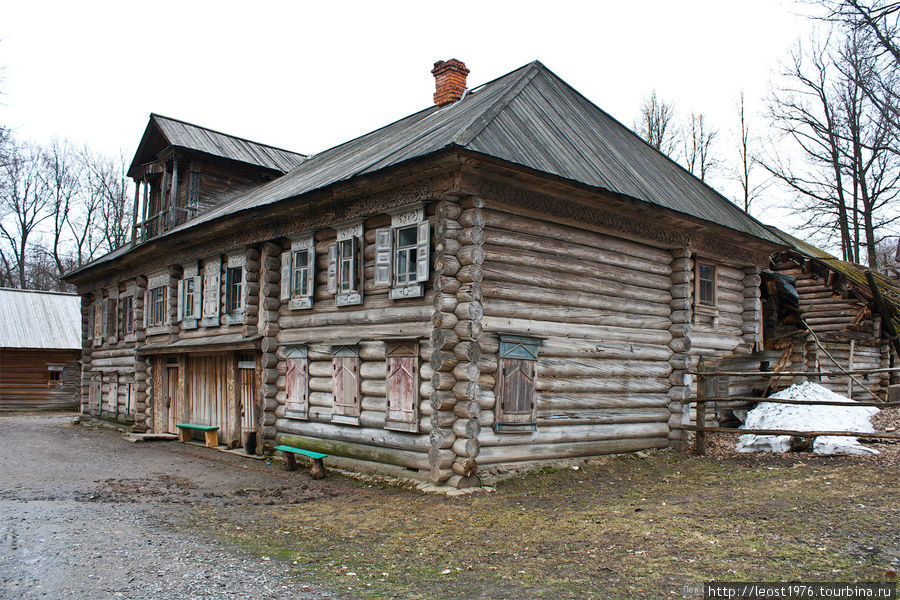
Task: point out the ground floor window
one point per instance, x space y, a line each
515 391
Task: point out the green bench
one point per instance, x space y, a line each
210 432
317 468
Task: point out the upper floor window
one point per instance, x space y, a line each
345 265
298 273
402 254
235 289
189 298
210 293
155 308
126 317
234 284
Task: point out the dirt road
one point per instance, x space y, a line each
85 514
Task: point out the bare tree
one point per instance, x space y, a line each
848 174
657 124
61 173
698 141
108 183
747 160
23 205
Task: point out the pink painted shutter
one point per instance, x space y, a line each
345 385
401 389
297 401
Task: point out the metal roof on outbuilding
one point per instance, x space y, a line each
34 319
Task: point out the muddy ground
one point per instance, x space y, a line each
636 526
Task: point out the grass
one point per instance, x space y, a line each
623 527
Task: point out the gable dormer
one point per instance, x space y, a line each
181 169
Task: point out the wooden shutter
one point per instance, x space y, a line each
423 252
146 308
98 323
112 320
286 275
332 269
297 387
345 386
198 298
515 392
309 292
104 324
180 301
211 292
402 386
383 257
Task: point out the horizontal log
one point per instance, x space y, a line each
585 367
359 435
568 314
600 386
575 433
324 334
529 275
601 332
592 401
526 452
394 314
601 416
530 293
542 229
582 348
390 456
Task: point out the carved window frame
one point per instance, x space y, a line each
346 278
706 306
388 254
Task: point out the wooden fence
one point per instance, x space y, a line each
707 380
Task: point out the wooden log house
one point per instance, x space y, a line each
820 313
40 347
508 275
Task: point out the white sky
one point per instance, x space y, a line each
307 76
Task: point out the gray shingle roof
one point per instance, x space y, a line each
194 137
528 117
32 319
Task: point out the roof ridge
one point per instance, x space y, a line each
49 292
236 137
471 131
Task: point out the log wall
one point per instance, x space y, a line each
845 328
602 306
24 380
378 317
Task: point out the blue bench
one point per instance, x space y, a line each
317 467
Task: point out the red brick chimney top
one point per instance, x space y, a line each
449 81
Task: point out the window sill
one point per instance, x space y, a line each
189 324
407 291
345 420
300 303
348 299
235 318
296 414
515 427
407 427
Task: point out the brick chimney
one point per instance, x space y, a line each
449 81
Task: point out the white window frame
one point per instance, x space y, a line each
299 297
235 293
388 252
347 251
190 297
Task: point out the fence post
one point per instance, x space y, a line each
700 437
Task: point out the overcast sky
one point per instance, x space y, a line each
307 76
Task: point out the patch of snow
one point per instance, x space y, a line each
799 417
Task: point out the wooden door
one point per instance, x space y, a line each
207 391
247 394
171 397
